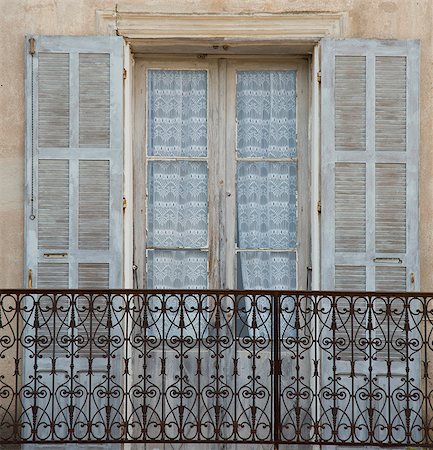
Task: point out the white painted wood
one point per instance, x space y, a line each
139 173
314 120
232 159
128 183
74 159
391 163
389 198
50 49
142 159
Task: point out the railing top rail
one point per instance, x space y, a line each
358 294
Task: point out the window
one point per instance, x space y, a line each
369 140
225 160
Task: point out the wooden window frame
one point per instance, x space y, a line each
149 32
221 157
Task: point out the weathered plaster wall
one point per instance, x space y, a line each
399 19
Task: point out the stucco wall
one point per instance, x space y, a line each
398 19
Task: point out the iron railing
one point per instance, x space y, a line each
216 367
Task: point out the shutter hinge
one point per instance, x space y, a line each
412 280
319 76
125 73
319 207
124 203
32 46
30 279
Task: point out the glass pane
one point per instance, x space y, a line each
260 271
177 113
266 205
176 269
266 113
266 270
177 204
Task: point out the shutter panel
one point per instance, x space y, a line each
369 235
74 162
370 122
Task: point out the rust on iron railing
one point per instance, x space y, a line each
270 367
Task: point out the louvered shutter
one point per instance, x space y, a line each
74 161
369 191
370 121
73 217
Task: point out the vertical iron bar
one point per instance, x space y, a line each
276 370
53 383
389 362
72 301
424 321
91 303
406 340
18 338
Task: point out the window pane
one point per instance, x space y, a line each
266 205
177 204
177 113
260 271
266 270
266 113
176 269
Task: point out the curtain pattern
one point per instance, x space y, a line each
266 190
266 113
177 269
177 204
177 113
266 199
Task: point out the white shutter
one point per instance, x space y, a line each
369 191
73 218
74 161
369 236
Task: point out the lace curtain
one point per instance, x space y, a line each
266 113
177 204
266 190
177 208
177 113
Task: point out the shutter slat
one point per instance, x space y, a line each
53 204
350 82
94 205
391 208
94 100
350 278
93 276
390 103
53 100
389 278
53 276
350 207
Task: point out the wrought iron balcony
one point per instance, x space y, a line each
216 366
